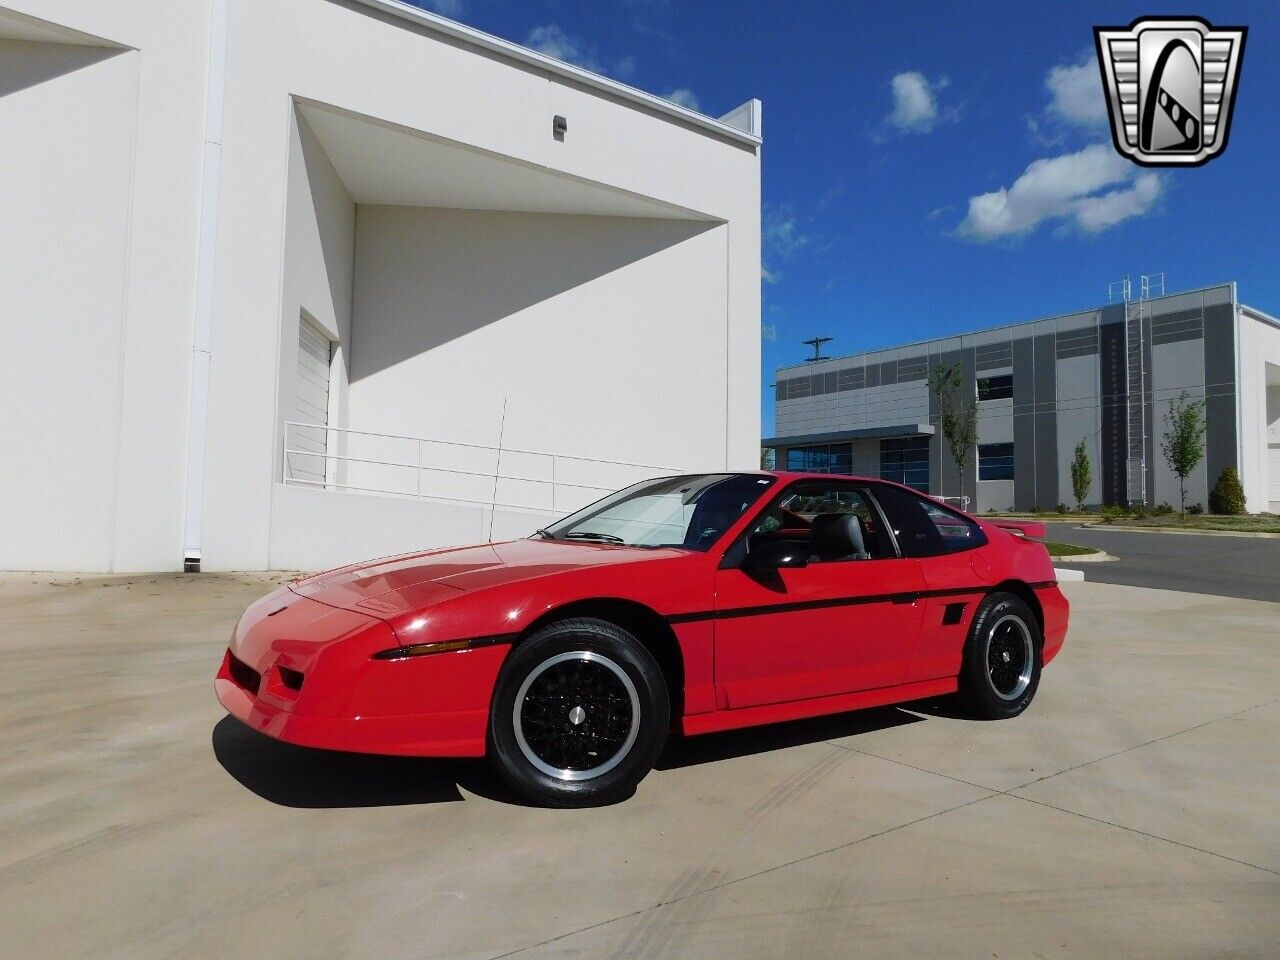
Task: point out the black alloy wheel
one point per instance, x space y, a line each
1002 658
579 715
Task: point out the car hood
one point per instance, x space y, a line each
395 585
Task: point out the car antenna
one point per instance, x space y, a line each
497 469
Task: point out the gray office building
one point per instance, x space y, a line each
1104 376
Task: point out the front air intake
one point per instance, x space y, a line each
243 674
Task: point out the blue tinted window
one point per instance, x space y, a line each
823 458
995 461
905 460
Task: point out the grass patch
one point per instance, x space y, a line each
1067 549
1249 523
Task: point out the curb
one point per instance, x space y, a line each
1068 576
1249 534
1098 556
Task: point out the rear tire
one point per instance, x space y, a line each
1002 658
580 714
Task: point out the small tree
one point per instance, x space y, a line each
1081 475
1183 440
957 415
1227 495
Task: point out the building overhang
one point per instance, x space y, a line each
384 163
845 436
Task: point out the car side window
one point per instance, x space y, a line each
925 528
837 522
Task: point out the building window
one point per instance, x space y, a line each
905 460
995 461
823 458
996 388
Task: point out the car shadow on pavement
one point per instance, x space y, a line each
293 776
688 751
303 777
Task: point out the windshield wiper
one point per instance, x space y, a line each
592 535
545 534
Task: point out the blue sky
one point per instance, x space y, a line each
889 130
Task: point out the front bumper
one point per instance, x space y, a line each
459 733
302 672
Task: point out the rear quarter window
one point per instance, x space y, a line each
925 528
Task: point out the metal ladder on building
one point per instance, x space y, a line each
1137 317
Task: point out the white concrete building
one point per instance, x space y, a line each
223 218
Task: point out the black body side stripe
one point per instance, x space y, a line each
497 639
768 608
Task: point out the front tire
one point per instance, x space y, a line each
1002 658
579 715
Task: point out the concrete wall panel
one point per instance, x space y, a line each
68 114
1259 386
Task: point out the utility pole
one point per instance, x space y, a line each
816 343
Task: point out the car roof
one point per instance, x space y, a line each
801 475
787 476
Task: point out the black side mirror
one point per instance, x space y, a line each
771 555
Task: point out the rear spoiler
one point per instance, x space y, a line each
1027 529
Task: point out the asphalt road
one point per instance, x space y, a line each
1245 567
1129 813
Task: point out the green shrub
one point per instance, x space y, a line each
1227 496
1139 511
1062 508
1111 514
1196 509
1163 510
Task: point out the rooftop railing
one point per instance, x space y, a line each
362 461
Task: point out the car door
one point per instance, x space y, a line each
845 621
956 574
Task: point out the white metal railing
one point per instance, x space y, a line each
390 464
961 502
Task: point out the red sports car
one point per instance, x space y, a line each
693 603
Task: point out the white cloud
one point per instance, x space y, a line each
446 8
769 331
782 234
780 238
684 97
1065 187
915 102
1095 214
1076 94
552 41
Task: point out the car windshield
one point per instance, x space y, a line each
691 512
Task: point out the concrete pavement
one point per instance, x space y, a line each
1246 567
1130 812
